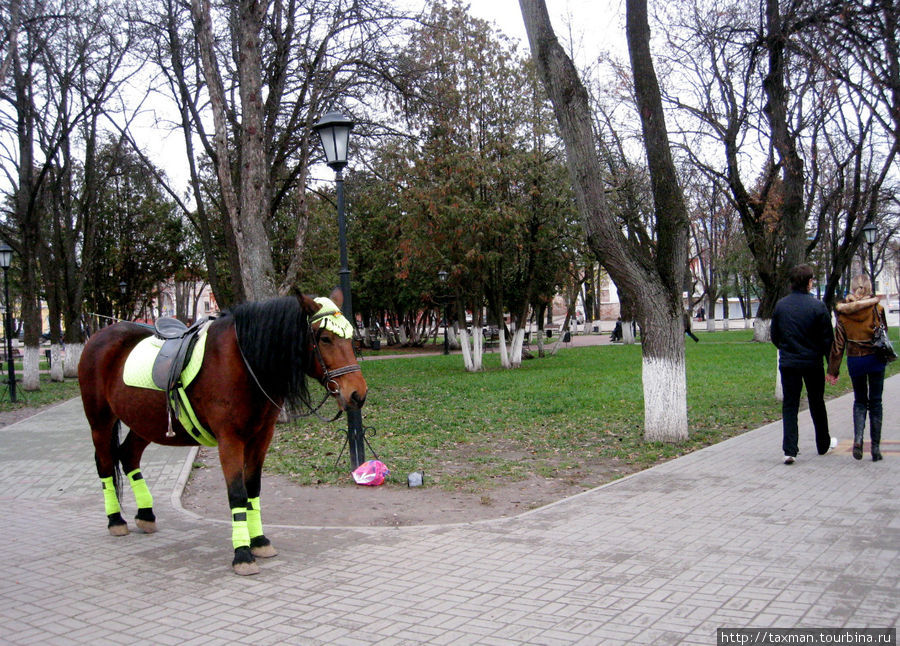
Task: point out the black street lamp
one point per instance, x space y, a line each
334 132
123 290
5 261
871 233
442 275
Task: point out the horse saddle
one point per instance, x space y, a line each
178 346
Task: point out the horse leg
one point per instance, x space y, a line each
131 451
259 545
231 457
105 435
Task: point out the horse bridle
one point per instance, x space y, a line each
328 376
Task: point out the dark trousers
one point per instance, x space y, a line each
792 380
867 390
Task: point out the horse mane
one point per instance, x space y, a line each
272 337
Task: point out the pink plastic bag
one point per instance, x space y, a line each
371 473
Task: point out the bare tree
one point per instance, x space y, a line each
649 272
264 72
65 65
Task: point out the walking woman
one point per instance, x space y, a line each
857 317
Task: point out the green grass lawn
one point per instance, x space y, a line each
577 415
50 392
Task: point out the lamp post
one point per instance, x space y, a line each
334 132
871 232
5 261
123 289
442 275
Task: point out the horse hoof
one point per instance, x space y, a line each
147 526
118 530
264 551
245 569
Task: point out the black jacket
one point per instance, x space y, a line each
801 330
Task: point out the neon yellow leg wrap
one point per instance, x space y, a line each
141 492
109 496
254 520
240 536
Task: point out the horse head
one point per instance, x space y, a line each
330 342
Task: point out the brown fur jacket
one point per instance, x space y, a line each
854 330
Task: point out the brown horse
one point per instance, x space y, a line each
256 359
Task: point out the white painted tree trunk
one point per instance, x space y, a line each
711 321
779 393
518 341
477 348
73 356
504 351
31 376
627 332
665 399
746 324
56 363
725 323
466 350
761 330
557 344
452 338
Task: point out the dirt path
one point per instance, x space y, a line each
389 505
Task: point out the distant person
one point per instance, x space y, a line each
701 314
687 327
801 330
857 317
616 335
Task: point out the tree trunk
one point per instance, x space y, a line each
246 211
477 348
56 363
501 344
466 350
652 277
761 330
725 312
515 354
663 377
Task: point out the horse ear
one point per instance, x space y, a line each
337 296
308 304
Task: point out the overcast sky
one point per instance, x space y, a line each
592 26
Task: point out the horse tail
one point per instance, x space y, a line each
114 449
114 454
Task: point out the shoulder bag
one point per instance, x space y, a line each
880 341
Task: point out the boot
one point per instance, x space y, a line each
875 432
859 427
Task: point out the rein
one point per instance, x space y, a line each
329 376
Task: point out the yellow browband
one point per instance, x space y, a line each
330 318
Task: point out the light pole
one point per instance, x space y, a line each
123 289
334 132
442 275
5 261
871 233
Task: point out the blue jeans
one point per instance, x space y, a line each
867 390
792 380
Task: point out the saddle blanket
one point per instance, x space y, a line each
138 372
139 364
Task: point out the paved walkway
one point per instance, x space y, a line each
725 537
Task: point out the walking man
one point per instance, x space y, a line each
802 332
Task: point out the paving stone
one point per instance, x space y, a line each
724 537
